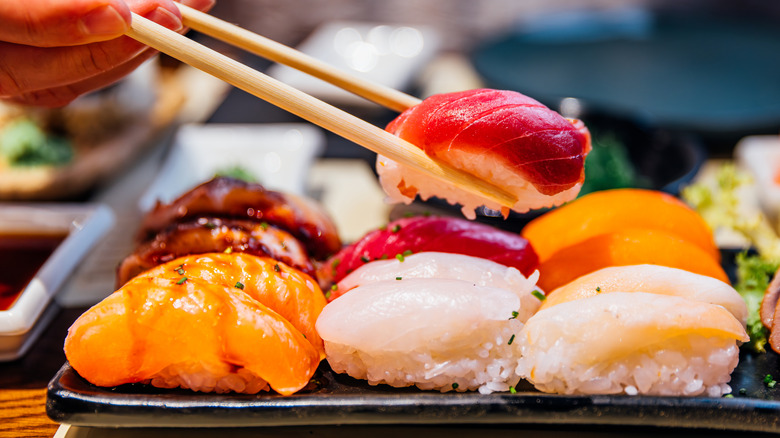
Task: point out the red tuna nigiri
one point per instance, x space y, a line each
440 234
500 136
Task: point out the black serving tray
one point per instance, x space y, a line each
337 399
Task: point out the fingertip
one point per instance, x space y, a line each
201 5
106 21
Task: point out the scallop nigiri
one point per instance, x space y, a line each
500 136
655 279
475 270
633 343
433 333
179 325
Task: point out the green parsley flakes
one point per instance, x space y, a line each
399 278
181 280
400 257
515 314
455 386
538 295
364 259
512 390
512 339
239 285
396 228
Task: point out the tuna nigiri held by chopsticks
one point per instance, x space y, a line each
503 137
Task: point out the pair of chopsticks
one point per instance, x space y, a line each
298 102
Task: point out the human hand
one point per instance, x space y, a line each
52 51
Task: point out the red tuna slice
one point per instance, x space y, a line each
441 234
525 137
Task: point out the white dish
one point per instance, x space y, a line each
389 55
83 226
279 156
760 155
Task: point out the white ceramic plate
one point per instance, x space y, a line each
83 225
279 156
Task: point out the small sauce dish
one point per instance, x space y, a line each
40 245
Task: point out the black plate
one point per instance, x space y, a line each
338 399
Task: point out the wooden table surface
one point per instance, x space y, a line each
23 382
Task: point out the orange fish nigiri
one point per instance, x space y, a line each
190 329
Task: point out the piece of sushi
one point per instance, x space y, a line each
287 291
436 334
201 327
500 136
475 270
632 343
439 234
652 279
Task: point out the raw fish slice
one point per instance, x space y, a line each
613 210
228 197
290 293
770 311
477 271
197 335
500 136
439 234
210 234
634 342
652 279
436 334
624 247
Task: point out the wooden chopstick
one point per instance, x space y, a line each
308 107
269 49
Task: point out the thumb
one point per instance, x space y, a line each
47 23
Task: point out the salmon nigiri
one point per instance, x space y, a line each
200 327
287 291
500 136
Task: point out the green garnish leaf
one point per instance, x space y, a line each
538 295
515 313
181 280
399 278
239 285
512 390
237 172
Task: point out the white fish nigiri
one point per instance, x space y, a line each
637 343
652 279
432 333
475 270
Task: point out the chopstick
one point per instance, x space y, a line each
308 108
269 49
